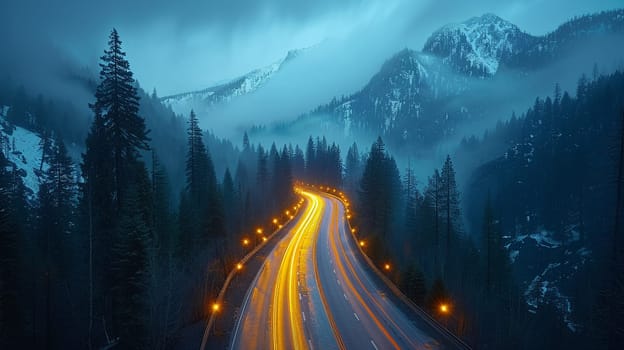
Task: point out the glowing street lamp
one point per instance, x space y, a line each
259 230
216 307
245 242
387 267
287 212
362 243
275 221
239 266
444 308
264 239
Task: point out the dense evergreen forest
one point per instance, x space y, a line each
127 243
107 252
561 173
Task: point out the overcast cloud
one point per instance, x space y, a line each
182 45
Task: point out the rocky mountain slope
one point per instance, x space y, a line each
222 93
468 74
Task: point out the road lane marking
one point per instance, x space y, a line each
346 268
345 296
330 317
375 346
356 316
303 314
299 296
338 281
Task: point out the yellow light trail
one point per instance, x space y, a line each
286 286
341 269
357 280
330 316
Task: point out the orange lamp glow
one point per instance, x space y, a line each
216 307
239 266
387 267
444 308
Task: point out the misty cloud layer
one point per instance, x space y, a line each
177 46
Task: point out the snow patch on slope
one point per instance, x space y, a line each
21 147
549 268
542 238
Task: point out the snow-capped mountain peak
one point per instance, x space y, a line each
477 45
225 92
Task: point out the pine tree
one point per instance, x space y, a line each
204 207
450 205
117 103
334 166
111 167
196 164
214 227
496 261
379 197
242 185
262 181
11 326
56 208
57 191
372 189
433 203
615 315
275 177
161 209
285 177
310 164
298 164
411 197
130 273
352 168
230 205
246 145
45 146
414 286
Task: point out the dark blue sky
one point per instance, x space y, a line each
183 45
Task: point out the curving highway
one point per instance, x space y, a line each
315 292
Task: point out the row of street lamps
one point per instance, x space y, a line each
246 242
444 307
